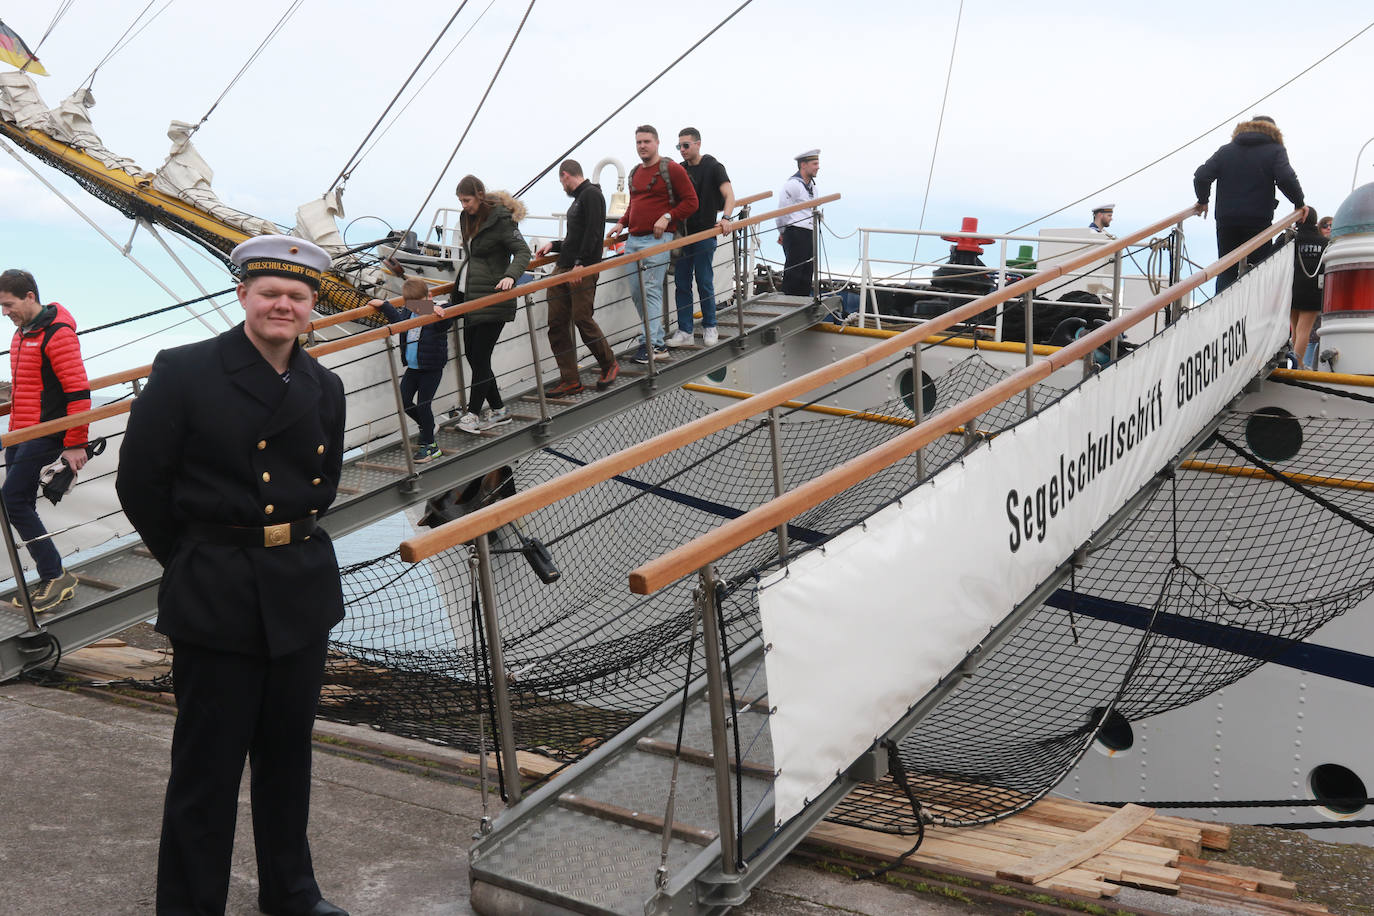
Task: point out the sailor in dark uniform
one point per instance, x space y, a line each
232 453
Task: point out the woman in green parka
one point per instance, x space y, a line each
496 257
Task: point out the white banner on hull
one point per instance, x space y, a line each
861 631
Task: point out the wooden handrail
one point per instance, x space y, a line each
576 273
353 340
524 502
673 565
364 311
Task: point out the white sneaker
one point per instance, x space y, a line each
710 336
469 422
492 418
680 338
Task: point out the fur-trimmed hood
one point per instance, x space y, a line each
1268 129
504 199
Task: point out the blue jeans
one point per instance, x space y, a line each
23 462
696 259
654 269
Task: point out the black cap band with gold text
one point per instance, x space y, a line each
271 267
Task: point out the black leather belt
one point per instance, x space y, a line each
640 235
253 536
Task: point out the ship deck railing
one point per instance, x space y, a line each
713 879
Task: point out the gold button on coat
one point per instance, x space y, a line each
268 508
266 477
320 450
262 444
315 482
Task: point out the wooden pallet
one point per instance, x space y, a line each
1071 847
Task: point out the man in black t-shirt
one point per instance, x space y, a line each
716 196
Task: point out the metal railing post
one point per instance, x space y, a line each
779 482
644 316
1116 298
458 368
534 360
504 720
411 474
865 280
1029 300
738 263
1175 310
20 584
716 700
816 255
918 405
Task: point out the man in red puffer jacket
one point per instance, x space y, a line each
49 382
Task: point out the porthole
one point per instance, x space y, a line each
927 392
1333 785
1274 434
1114 734
718 375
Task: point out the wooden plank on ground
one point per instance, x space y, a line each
1074 852
1268 882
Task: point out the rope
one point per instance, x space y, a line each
898 770
168 308
121 43
281 23
939 126
1324 390
56 18
563 155
476 111
1282 478
1220 124
354 159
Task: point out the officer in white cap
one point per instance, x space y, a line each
232 453
1102 218
795 229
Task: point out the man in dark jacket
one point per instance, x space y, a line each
572 303
1246 171
232 453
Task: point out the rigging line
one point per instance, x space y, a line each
428 80
476 111
115 47
125 43
939 125
352 160
62 9
563 155
281 23
1222 123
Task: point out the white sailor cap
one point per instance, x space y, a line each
808 155
1104 208
281 256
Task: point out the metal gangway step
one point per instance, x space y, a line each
118 588
624 830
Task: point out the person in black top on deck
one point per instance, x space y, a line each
1308 248
573 303
715 195
1246 170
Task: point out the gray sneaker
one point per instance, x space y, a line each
47 594
490 418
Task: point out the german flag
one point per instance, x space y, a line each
14 51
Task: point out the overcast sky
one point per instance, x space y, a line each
1047 103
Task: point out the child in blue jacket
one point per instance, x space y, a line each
424 351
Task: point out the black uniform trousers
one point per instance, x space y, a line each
229 706
1231 236
798 252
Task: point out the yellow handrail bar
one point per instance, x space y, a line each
526 501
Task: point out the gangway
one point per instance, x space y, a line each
119 586
668 816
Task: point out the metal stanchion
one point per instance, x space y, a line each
21 586
1029 300
504 720
411 474
534 360
918 404
739 279
1116 297
716 700
816 256
458 368
1175 310
779 483
644 316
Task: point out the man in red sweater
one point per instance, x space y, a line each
661 197
49 382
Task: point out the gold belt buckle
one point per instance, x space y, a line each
276 535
